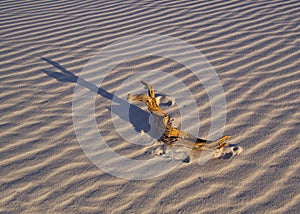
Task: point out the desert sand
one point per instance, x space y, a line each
253 47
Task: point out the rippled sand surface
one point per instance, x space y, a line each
254 47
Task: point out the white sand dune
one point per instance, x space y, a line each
254 47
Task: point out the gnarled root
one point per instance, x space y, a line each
173 136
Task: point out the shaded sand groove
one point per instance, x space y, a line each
254 47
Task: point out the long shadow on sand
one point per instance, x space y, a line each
137 116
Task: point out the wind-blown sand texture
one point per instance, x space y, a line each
254 46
